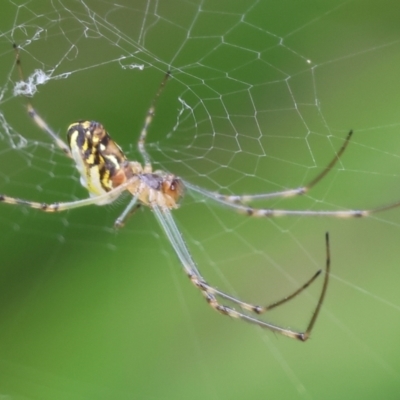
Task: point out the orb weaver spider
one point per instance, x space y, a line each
106 173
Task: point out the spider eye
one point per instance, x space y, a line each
173 187
174 184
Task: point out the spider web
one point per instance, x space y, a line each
261 97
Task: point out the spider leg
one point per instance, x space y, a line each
272 212
130 209
247 306
120 224
242 199
56 207
147 122
260 310
166 221
35 116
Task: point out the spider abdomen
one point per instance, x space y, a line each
100 161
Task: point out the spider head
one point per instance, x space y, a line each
173 187
165 189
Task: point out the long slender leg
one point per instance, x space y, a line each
242 199
261 310
165 219
173 229
314 317
128 211
147 122
35 116
289 192
56 207
247 306
270 212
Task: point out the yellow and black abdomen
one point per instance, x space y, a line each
101 163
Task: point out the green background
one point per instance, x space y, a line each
89 313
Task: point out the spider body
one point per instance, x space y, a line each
103 166
106 173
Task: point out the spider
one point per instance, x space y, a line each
106 173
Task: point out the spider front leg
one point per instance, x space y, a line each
39 121
239 201
211 294
272 212
147 122
243 199
58 207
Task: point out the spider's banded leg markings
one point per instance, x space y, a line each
210 293
40 206
269 213
257 309
231 312
34 115
58 207
243 199
272 213
143 134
